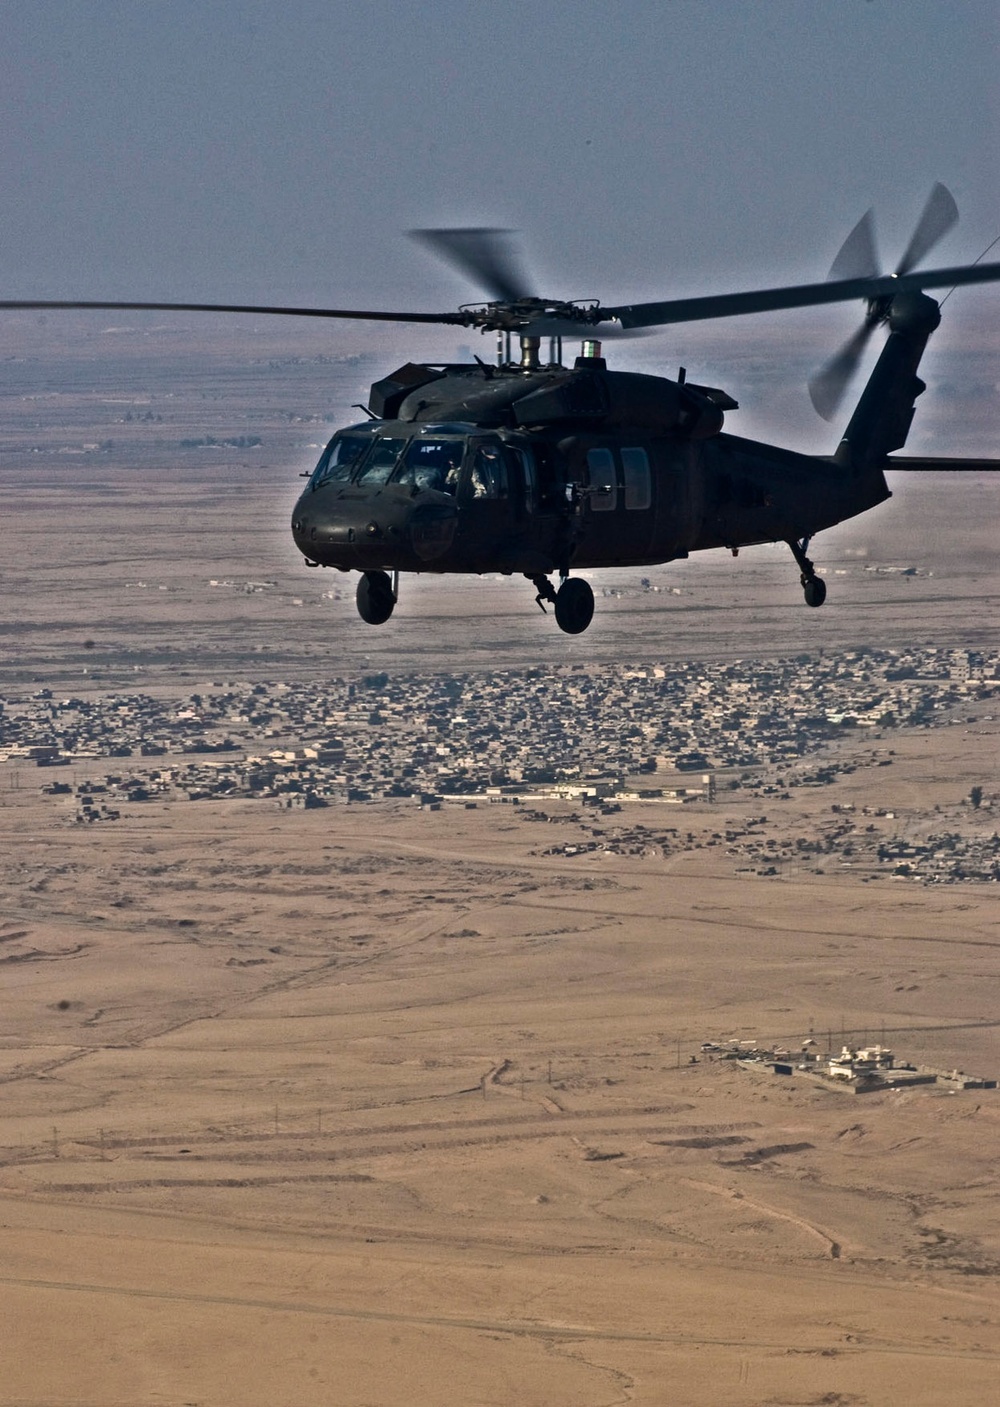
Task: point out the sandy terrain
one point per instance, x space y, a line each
375 1106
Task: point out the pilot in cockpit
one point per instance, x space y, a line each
432 464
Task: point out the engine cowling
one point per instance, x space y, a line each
625 400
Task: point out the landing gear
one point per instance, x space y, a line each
813 587
814 592
544 589
573 602
376 597
574 605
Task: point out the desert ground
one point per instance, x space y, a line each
373 1105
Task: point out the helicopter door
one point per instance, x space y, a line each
488 505
525 490
620 501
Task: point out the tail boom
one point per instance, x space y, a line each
882 419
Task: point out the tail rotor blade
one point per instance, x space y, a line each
857 257
487 256
939 215
827 387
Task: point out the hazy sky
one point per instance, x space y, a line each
261 151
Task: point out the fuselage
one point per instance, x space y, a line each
457 496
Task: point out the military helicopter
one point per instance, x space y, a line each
533 467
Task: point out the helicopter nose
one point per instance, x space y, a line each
346 531
331 530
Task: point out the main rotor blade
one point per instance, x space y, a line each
806 295
939 215
360 314
857 257
630 315
486 256
827 387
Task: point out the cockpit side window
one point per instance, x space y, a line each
488 473
381 462
431 464
339 458
521 469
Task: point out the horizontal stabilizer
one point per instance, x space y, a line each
943 466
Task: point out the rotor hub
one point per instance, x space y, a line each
540 316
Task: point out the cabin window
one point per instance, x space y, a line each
381 462
635 470
601 472
488 474
339 458
431 464
525 460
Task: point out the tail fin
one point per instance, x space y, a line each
884 413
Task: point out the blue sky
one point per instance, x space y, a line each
265 151
253 151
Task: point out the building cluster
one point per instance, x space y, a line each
593 734
857 1068
875 847
753 846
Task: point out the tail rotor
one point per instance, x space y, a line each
858 259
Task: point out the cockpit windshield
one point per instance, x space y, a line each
340 457
431 464
381 462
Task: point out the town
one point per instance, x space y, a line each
594 737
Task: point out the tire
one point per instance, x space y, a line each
815 591
574 605
375 600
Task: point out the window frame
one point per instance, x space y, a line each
497 484
602 503
405 472
365 464
528 476
324 474
638 494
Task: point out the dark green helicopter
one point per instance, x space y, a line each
532 467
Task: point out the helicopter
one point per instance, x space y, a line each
531 467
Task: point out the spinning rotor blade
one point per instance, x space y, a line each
827 387
939 215
486 256
631 316
490 257
857 257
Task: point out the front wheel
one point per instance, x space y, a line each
574 605
375 598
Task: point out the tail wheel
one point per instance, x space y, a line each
375 597
574 605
